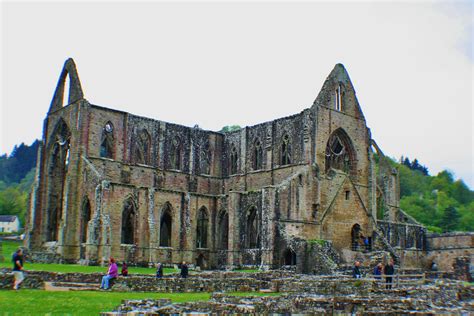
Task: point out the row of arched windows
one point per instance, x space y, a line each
284 158
129 226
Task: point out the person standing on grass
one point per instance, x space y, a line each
184 270
18 268
112 273
389 271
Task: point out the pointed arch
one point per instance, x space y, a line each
253 229
205 159
257 161
58 150
233 160
129 222
223 230
107 141
75 89
202 228
85 218
175 154
285 150
142 147
340 153
166 226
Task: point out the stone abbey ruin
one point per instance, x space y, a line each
310 190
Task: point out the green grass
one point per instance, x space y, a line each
39 302
8 248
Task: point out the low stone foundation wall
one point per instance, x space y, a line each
446 298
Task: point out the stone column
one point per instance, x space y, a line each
268 226
234 232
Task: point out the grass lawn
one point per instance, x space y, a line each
39 302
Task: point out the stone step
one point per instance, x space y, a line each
70 286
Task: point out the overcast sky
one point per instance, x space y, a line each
216 64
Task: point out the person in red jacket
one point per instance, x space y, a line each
112 273
124 269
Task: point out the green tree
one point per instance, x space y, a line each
230 128
450 219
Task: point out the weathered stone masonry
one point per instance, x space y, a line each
110 183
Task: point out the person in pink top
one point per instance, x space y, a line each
112 273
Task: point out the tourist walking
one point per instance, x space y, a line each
378 271
112 273
184 270
159 271
124 269
356 271
389 271
18 274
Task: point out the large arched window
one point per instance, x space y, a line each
233 160
59 148
285 150
205 159
85 218
257 161
202 227
143 147
253 229
175 154
128 222
166 226
340 153
107 141
223 231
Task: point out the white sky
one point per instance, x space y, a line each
224 63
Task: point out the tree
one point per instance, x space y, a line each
450 219
230 128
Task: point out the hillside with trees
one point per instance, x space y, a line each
440 202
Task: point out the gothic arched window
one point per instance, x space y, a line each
166 227
257 162
285 151
175 154
143 147
59 151
107 141
233 160
202 226
205 159
85 218
128 222
340 153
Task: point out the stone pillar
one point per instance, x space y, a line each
234 233
268 226
153 227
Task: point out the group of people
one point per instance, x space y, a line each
388 270
112 272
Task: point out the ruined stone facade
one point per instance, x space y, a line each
110 183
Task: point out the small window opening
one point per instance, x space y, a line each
348 194
338 98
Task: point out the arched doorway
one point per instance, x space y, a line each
128 223
355 237
289 257
166 227
201 262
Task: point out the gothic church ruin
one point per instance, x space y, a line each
110 183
